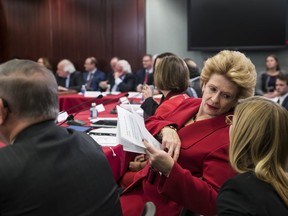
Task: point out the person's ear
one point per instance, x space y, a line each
3 111
203 87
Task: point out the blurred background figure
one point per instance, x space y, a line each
145 75
45 62
123 79
282 89
67 77
194 89
103 85
92 75
266 81
258 152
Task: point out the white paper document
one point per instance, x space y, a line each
104 131
131 131
133 108
105 140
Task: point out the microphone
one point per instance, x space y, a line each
114 110
135 97
83 103
70 119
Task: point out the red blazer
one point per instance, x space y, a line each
170 104
198 174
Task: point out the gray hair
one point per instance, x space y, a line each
125 66
67 66
29 89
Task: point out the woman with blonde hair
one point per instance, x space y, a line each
193 161
259 153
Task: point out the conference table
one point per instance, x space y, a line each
117 157
77 102
79 106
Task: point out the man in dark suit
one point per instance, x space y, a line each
67 77
46 169
93 76
194 89
282 89
122 80
145 74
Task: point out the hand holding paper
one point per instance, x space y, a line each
131 131
160 160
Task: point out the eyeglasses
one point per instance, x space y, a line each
229 119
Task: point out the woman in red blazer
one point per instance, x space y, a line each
193 164
171 77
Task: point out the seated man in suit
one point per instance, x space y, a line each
194 89
145 74
123 79
93 76
282 89
67 77
46 169
104 85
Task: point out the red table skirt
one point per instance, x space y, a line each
75 103
118 160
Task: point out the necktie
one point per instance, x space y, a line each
89 80
278 101
67 81
146 77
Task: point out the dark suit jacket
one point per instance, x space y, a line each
195 84
247 195
76 81
128 84
98 76
140 77
50 170
285 103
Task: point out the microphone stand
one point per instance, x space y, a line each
70 119
78 105
114 110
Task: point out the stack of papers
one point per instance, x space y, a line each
104 136
131 131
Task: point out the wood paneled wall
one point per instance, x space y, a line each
73 29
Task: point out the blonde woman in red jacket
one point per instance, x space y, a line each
193 164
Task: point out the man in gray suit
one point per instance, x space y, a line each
46 169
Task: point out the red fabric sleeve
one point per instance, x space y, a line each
194 193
